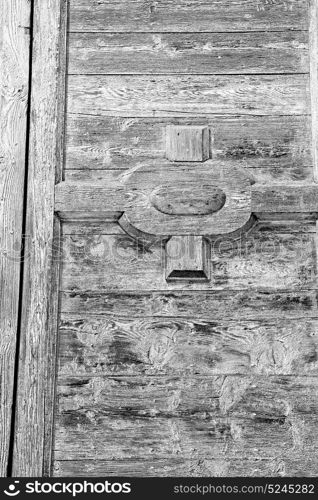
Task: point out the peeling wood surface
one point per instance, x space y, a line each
193 16
33 440
196 53
165 96
14 84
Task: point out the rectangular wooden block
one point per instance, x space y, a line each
188 143
187 259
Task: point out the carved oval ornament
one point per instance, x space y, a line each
201 200
165 199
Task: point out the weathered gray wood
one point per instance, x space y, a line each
217 53
14 83
313 46
117 263
181 15
112 196
115 345
188 417
164 96
299 466
200 305
279 145
35 398
187 258
187 143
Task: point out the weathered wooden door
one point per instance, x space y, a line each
170 309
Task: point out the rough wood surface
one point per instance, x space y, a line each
113 195
313 45
217 53
204 305
188 417
186 346
145 96
197 467
182 15
276 149
107 263
14 84
187 143
39 306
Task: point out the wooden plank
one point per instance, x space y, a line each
14 83
204 305
87 198
208 417
183 347
280 145
116 263
32 451
165 96
313 46
182 15
196 467
195 53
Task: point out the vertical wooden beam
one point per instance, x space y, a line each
14 76
313 51
36 376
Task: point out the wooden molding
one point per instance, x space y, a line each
36 377
190 143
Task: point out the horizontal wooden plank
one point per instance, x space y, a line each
112 263
155 346
203 305
132 96
275 148
196 467
182 15
88 198
217 417
233 53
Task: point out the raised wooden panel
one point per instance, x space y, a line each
208 53
187 418
144 96
116 345
187 143
193 16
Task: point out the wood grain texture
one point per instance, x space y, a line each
112 263
187 143
313 44
274 149
178 96
196 53
200 305
182 15
188 417
183 347
113 195
32 450
196 467
14 84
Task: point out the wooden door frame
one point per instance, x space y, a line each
39 310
